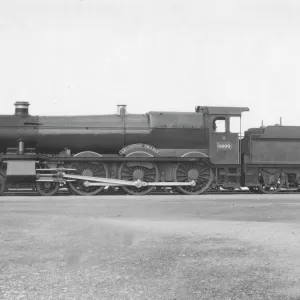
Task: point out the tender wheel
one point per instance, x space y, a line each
2 185
132 171
199 172
272 189
87 169
253 189
47 188
271 183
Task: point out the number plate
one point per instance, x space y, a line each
224 146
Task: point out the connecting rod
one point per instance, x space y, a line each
99 181
191 183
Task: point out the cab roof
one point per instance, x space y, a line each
219 110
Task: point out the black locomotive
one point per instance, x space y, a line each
191 152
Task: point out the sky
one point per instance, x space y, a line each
84 57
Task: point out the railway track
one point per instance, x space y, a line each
169 192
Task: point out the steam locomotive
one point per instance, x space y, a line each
190 152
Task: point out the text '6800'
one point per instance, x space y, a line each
224 146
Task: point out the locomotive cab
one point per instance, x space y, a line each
224 127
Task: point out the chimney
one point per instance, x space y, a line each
21 108
122 110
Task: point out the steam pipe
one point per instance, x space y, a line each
21 147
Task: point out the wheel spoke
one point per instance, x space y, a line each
185 168
149 171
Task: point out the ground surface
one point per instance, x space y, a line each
151 247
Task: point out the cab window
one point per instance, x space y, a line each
219 125
235 124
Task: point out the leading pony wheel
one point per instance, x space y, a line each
199 172
47 188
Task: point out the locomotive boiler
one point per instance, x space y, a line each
104 134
